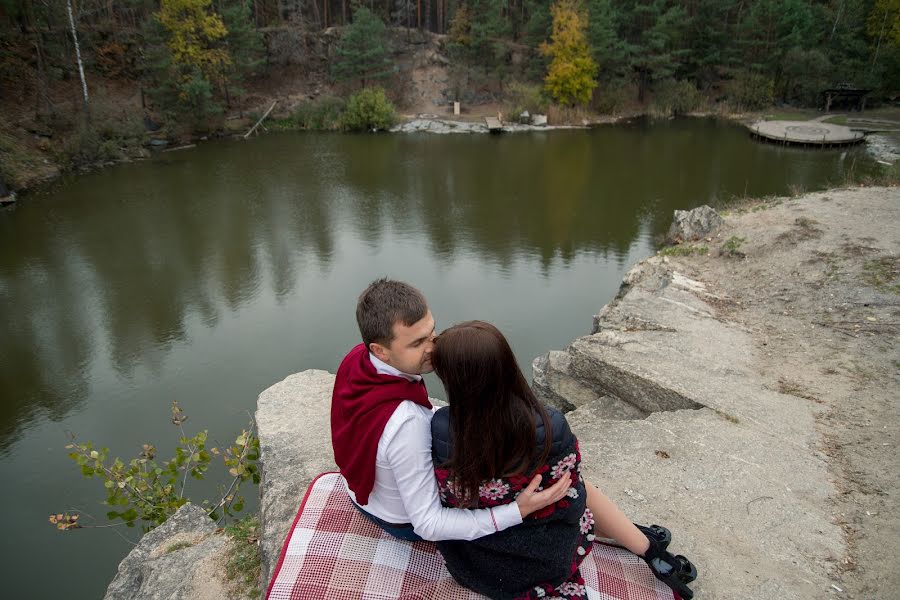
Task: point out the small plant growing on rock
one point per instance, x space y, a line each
243 564
150 491
178 546
732 245
684 250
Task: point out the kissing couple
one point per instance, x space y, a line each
494 478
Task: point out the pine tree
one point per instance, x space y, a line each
570 78
659 44
245 46
362 52
607 47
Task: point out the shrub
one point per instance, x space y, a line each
321 114
17 159
750 91
567 115
368 110
523 97
613 96
149 490
676 97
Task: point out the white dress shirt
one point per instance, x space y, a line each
406 490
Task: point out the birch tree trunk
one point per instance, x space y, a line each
84 89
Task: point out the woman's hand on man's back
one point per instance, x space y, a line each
531 500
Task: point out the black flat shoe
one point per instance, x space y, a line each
668 569
686 570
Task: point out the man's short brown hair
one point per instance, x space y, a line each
384 303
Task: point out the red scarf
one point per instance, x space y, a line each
362 402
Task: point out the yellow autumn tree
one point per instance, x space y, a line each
195 34
570 77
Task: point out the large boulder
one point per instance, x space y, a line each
182 559
696 224
294 425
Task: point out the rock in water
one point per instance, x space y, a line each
179 560
694 224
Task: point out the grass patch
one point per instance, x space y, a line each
684 251
321 114
243 564
882 272
791 388
732 246
837 120
178 546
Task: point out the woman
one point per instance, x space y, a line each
486 446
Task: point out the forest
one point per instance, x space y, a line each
193 62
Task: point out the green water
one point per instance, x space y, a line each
207 275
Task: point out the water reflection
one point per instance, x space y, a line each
115 263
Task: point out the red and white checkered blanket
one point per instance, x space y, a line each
333 552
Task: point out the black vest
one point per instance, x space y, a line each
541 550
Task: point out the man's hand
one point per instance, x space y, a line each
531 500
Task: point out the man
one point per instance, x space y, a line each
381 426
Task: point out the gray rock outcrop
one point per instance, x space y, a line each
182 559
696 224
678 428
293 421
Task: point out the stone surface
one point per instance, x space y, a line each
293 421
696 224
813 132
730 466
444 126
770 445
182 559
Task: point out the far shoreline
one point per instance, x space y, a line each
411 123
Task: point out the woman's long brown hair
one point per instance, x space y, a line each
492 408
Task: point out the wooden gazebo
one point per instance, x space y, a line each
845 95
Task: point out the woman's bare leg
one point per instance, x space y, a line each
613 523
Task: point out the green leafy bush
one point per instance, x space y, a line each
86 146
674 97
147 490
368 110
750 91
523 97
